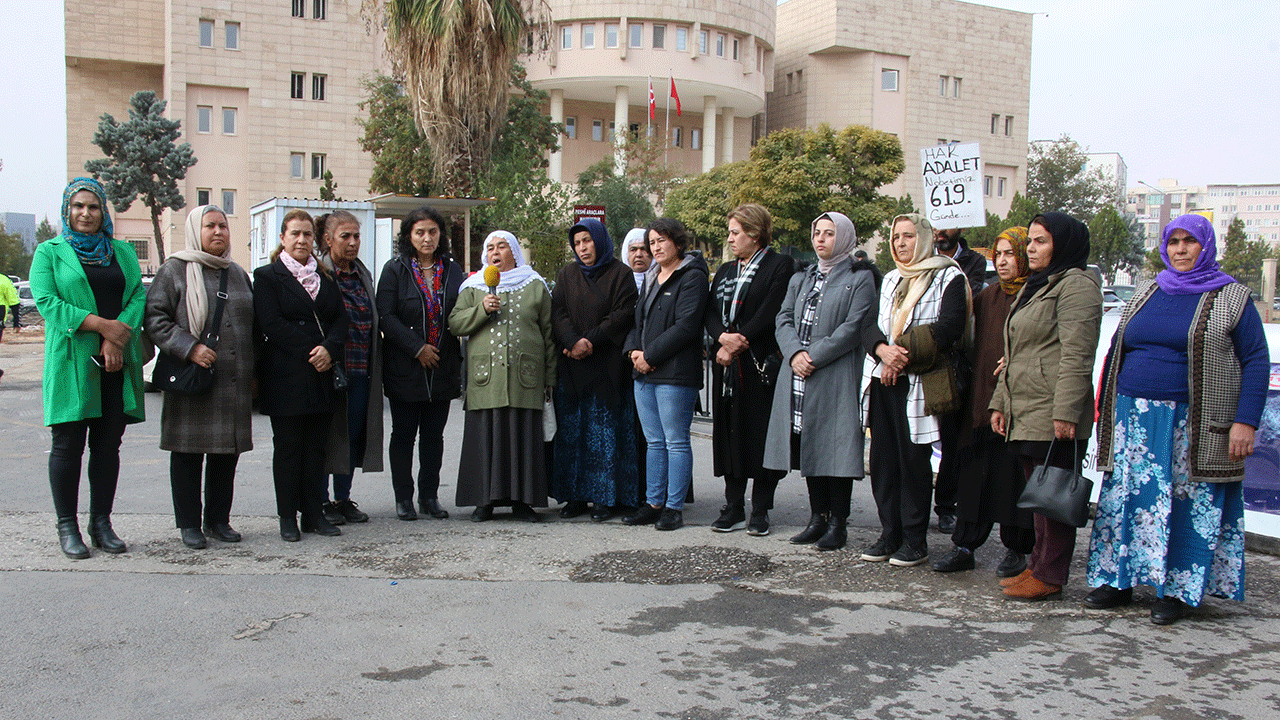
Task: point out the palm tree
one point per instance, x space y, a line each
454 58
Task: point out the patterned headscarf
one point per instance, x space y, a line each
1205 275
1017 238
91 248
514 279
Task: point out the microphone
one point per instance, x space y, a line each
491 277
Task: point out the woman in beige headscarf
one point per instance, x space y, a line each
924 312
209 430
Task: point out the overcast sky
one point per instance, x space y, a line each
1182 89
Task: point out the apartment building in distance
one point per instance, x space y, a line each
266 91
929 71
1155 205
1115 171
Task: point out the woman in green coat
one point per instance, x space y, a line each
88 287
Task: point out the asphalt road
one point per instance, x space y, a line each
572 619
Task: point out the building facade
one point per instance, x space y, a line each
1114 171
266 90
1155 205
928 71
23 225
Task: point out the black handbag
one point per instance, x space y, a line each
339 375
1058 494
181 376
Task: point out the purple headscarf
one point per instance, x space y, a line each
1205 275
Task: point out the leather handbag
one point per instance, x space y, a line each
181 376
1057 493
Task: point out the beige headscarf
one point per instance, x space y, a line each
197 298
917 274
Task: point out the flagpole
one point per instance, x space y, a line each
649 111
666 129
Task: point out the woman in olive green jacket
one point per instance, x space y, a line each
88 287
510 371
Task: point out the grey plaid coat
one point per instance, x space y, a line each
217 422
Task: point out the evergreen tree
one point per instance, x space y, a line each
142 159
45 231
1113 245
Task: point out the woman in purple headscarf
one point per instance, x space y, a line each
1184 386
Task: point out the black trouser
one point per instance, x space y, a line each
944 486
184 479
762 490
297 463
104 435
901 476
424 421
972 535
830 495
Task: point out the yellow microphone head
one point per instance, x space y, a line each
491 276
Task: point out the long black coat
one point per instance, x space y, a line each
403 311
602 311
740 423
669 324
293 325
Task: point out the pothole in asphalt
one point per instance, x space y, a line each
679 566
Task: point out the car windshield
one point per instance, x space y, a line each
25 292
1124 292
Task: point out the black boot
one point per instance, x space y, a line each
813 532
836 535
102 536
318 525
69 537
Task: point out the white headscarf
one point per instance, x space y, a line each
635 236
197 298
519 276
918 274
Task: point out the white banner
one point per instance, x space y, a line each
953 185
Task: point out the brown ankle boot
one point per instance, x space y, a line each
1016 579
1033 589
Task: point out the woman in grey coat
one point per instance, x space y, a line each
214 428
815 426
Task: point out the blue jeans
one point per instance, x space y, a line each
357 418
666 412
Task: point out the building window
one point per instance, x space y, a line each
300 8
610 35
703 39
943 81
720 43
1008 124
317 86
635 35
695 139
889 80
986 185
233 36
760 59
588 35
676 138
295 165
597 130
566 37
206 33
955 88
682 39
1000 187
318 8
228 121
791 83
943 141
613 135
735 48
296 81
204 119
140 248
571 128
228 202
317 166
202 196
659 37
800 81
995 123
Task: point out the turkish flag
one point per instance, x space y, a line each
675 95
652 106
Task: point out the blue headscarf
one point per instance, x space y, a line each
91 248
604 245
1205 275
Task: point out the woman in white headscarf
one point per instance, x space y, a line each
924 313
510 372
819 332
209 430
635 253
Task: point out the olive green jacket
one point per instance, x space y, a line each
72 383
511 355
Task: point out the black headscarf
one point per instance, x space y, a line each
1070 250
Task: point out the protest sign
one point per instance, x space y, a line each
953 185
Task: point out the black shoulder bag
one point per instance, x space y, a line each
1058 494
181 376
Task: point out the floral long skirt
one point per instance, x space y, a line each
1154 525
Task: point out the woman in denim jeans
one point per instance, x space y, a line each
665 349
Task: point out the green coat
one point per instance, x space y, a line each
72 383
511 357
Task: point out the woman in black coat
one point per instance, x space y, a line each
301 313
422 360
745 297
